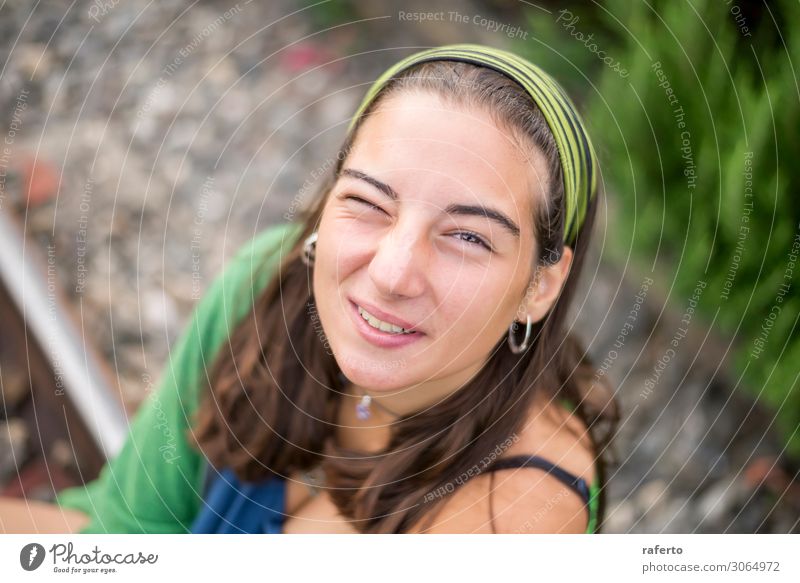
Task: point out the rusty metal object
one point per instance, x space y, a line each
51 379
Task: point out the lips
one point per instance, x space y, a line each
379 338
387 317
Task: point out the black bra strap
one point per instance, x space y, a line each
534 461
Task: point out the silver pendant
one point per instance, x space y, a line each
362 408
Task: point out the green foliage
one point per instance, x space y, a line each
705 185
557 43
326 14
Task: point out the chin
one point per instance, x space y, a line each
378 375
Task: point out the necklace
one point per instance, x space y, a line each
314 478
363 410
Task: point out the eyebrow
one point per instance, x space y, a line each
453 209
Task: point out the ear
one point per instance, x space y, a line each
544 288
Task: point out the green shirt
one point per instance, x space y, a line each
155 484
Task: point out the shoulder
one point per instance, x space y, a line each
227 301
525 500
260 254
558 435
275 239
246 273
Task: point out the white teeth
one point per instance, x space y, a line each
379 324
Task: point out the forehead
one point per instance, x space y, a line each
424 146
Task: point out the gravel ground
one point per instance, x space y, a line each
172 133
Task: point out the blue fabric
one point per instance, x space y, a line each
232 506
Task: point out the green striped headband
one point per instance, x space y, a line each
578 160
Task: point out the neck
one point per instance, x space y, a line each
364 435
388 406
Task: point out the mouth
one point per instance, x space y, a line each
387 332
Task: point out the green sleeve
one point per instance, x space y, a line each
594 487
154 483
594 501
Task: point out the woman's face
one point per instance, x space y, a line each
428 227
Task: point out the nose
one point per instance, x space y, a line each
398 267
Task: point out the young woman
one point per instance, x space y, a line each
396 360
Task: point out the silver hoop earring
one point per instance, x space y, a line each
309 249
513 346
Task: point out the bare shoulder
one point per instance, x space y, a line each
525 500
559 436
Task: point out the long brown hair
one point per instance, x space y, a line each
272 404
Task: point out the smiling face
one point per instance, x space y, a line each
429 227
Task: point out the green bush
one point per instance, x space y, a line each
703 187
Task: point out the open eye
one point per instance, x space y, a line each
364 202
474 239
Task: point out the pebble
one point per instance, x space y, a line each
13 447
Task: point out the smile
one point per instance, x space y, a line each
381 333
380 324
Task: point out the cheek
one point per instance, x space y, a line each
340 249
485 308
340 258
